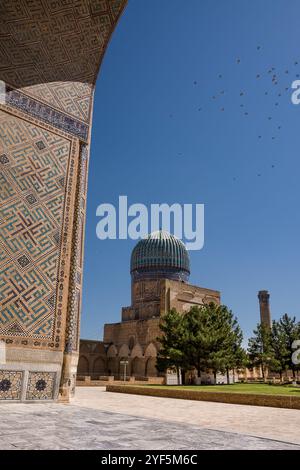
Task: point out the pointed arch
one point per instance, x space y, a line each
151 350
124 351
112 351
137 351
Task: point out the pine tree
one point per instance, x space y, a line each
171 354
213 339
290 331
261 353
282 354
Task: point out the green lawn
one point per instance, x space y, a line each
237 388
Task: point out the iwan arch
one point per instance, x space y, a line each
50 54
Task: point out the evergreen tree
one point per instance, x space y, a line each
279 345
261 353
171 354
289 331
213 339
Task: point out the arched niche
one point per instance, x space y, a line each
83 366
99 366
112 351
150 350
124 351
137 351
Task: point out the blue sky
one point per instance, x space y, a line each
152 143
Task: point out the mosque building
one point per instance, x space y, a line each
160 269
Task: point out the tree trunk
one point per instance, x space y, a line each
198 370
183 376
227 374
215 377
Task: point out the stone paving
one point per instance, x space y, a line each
78 426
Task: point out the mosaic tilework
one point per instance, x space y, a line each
71 35
40 386
10 385
74 302
45 113
31 215
50 54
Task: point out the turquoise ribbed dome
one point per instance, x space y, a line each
160 254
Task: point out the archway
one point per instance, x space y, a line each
138 367
83 366
46 124
151 370
99 366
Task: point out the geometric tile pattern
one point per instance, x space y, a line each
10 385
44 113
52 50
40 386
31 213
50 54
74 301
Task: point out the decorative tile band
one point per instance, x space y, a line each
74 302
47 114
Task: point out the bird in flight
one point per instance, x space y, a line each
238 61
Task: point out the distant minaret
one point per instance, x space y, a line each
264 305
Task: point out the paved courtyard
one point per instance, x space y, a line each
101 420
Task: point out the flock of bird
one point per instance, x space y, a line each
277 88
